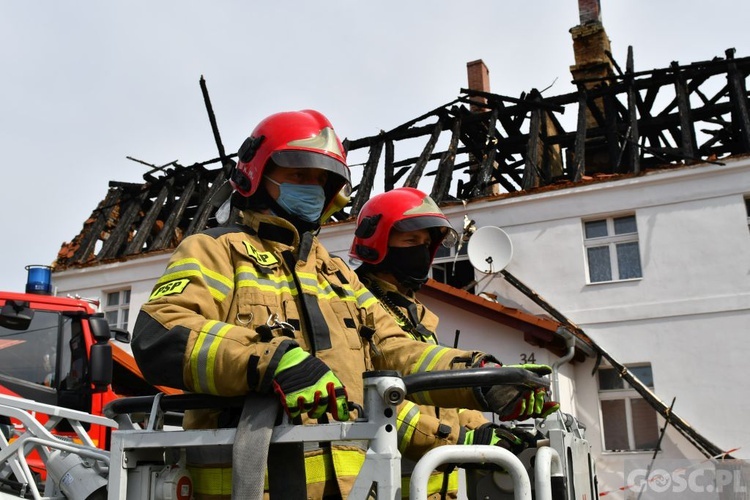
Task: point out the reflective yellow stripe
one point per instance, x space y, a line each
196 350
310 283
406 423
318 469
365 298
203 355
429 358
434 484
211 480
248 277
347 463
329 466
426 363
324 291
217 284
211 361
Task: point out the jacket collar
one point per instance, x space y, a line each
389 287
270 227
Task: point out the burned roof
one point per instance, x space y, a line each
479 144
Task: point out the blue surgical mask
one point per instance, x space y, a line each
306 201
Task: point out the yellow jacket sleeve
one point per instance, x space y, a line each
185 327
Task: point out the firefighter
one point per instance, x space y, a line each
397 236
259 306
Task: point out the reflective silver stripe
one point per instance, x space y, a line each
424 366
250 279
203 360
193 267
403 426
365 298
324 291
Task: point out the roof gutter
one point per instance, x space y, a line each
570 343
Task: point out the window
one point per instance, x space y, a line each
31 354
747 210
451 270
47 362
628 421
117 308
612 251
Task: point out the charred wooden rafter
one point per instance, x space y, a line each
622 124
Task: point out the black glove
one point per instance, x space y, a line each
512 439
519 402
306 384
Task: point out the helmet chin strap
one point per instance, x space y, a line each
404 279
410 282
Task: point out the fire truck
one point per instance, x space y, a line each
59 351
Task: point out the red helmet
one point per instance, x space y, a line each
292 139
405 209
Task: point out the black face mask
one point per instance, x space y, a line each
410 265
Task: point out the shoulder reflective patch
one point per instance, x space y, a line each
169 288
262 258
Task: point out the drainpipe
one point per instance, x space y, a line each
570 343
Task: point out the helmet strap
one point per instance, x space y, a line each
242 182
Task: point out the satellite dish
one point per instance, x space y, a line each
490 249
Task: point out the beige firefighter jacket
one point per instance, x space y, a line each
197 331
422 427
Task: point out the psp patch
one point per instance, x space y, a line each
169 288
262 258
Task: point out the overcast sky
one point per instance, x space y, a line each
84 84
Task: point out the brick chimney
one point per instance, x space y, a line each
590 47
590 43
479 79
589 11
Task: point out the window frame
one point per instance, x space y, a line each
611 241
626 394
121 308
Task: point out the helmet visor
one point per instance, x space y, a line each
443 227
291 158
